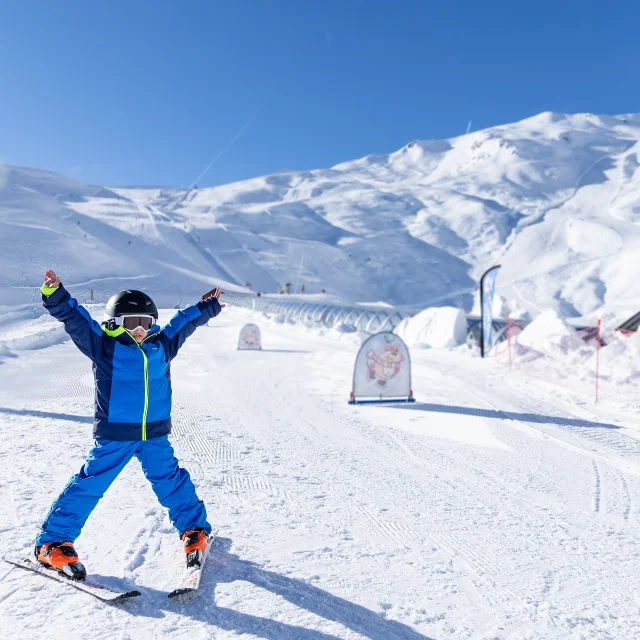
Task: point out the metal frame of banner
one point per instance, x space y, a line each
381 400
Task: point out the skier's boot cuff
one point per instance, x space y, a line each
194 540
63 557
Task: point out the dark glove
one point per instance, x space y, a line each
214 293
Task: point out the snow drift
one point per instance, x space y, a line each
550 335
438 327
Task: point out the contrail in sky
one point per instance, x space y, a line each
237 137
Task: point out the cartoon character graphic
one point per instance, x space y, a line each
384 366
251 338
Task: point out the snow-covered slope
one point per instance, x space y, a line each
553 198
491 508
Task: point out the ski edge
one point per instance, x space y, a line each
101 592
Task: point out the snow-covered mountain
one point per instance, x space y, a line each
553 198
503 503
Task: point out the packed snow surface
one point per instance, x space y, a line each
497 506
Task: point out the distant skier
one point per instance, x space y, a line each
131 358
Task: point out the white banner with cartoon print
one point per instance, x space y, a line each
383 368
249 337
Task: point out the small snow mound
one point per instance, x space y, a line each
439 327
620 359
549 334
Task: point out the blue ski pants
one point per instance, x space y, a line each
171 484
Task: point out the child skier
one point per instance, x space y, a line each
131 358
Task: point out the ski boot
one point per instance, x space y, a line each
62 557
195 544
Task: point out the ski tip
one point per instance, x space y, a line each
127 595
181 592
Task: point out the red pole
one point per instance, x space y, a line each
598 358
509 338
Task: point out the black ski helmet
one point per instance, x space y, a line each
130 303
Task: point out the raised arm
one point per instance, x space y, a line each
185 322
83 329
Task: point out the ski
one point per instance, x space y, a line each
191 578
89 585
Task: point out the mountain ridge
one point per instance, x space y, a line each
552 198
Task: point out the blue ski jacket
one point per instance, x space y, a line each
133 381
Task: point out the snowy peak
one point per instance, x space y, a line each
553 198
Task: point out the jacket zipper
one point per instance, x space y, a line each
146 389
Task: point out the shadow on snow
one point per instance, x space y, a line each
226 567
285 350
501 415
47 414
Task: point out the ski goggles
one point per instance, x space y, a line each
131 323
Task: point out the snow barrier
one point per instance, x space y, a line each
363 318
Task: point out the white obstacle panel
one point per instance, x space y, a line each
382 372
250 337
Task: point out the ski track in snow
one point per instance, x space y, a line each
469 515
596 491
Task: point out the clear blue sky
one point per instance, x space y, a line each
151 92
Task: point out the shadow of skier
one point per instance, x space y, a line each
502 415
226 567
32 413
